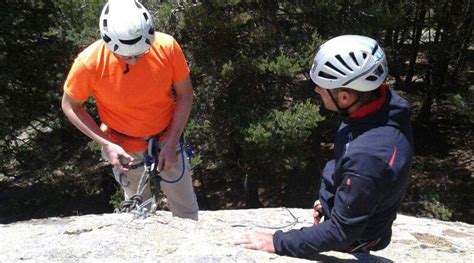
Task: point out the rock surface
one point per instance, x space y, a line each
162 238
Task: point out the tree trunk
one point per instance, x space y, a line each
417 30
445 49
425 111
388 37
251 192
447 35
467 25
341 17
389 30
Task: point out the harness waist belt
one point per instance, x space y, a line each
130 143
112 132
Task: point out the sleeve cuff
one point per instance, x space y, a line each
277 242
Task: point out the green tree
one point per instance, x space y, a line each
31 63
38 147
249 59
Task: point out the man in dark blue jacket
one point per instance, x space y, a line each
362 188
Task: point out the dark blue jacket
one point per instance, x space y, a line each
362 188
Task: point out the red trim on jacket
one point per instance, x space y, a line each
392 160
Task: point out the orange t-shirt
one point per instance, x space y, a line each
137 103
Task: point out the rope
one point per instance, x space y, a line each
295 221
183 164
128 205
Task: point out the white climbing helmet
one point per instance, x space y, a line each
349 61
126 27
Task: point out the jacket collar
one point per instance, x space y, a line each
372 107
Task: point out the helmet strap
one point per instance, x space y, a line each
343 112
127 69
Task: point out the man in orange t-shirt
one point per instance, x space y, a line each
130 73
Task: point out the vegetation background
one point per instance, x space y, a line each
259 134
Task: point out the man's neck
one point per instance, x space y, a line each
361 110
354 107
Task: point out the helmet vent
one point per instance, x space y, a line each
364 55
343 62
130 41
379 71
104 24
116 47
323 74
106 38
375 49
106 12
146 16
354 58
147 41
151 31
371 78
334 68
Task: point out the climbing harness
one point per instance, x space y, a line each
151 160
135 203
151 176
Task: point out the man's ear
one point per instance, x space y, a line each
345 98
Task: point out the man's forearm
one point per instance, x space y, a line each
85 123
180 117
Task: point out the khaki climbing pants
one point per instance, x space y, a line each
180 194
